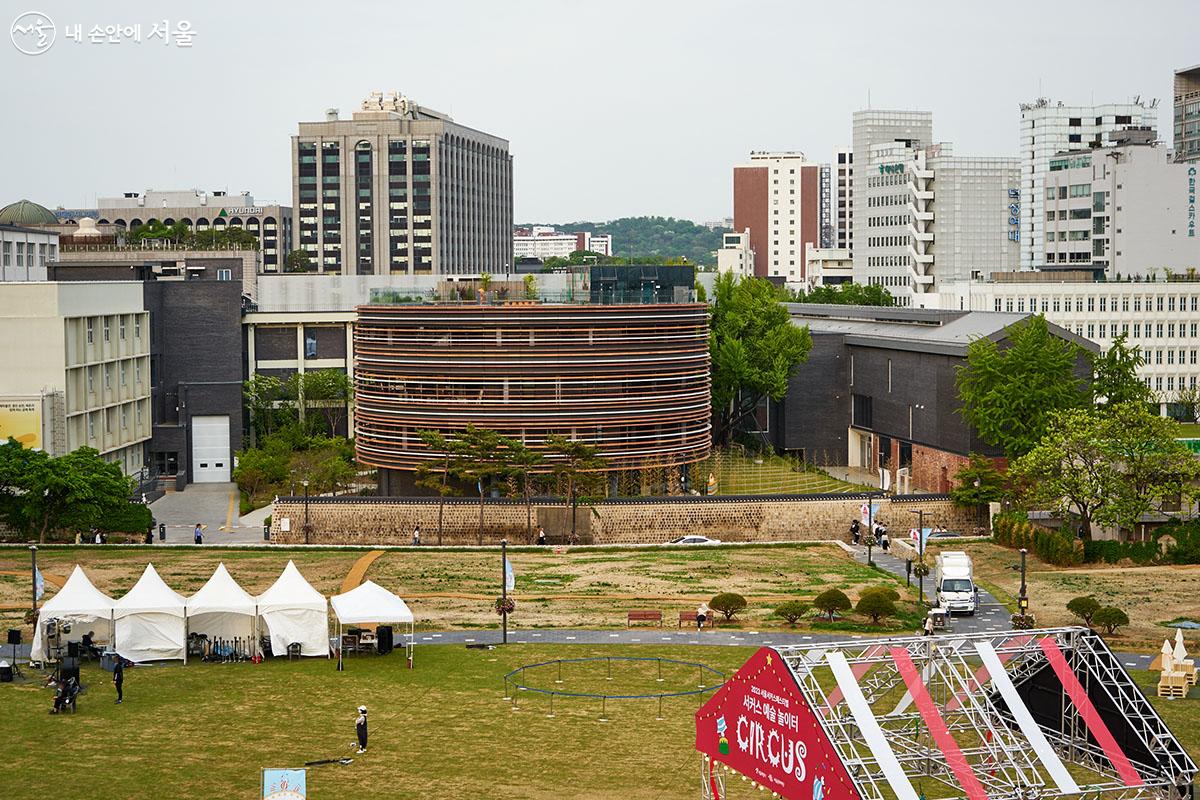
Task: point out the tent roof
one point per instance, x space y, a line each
291 590
78 597
150 595
221 594
370 602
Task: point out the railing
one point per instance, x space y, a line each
594 296
150 244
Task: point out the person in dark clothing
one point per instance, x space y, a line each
198 534
68 690
360 727
119 679
855 531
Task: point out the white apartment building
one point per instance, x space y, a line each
1161 318
736 255
827 266
542 241
843 199
1121 211
81 375
1048 129
25 251
777 197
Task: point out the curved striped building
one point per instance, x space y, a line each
631 379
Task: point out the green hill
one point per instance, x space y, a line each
653 236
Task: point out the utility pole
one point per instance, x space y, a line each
920 512
504 589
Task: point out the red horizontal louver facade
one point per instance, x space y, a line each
633 380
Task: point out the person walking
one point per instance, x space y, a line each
928 625
541 536
119 679
198 534
417 535
882 536
855 531
360 728
702 616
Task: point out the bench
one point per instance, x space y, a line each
689 618
644 616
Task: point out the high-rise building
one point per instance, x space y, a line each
843 199
1048 129
401 189
777 196
1187 114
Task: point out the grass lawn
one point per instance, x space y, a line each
1188 430
441 730
770 474
453 589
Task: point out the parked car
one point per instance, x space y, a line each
943 534
694 540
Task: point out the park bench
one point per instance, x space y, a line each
644 616
689 618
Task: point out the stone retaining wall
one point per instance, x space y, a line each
371 521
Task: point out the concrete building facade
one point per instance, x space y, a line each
1048 129
401 189
843 199
270 224
24 252
81 376
1121 211
736 255
1187 114
542 242
777 197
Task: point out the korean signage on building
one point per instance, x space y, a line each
760 725
21 419
1191 201
1014 215
888 169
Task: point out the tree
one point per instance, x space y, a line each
41 494
531 287
792 611
437 479
1084 607
259 468
580 465
480 458
485 281
853 294
728 603
1188 401
875 606
978 483
755 349
266 400
831 601
1152 465
1009 395
883 591
652 239
1070 469
1110 618
1114 376
329 391
523 461
297 261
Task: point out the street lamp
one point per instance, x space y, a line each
304 483
504 588
33 574
1023 596
920 512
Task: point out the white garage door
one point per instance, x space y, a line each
210 450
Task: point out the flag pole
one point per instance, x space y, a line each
504 588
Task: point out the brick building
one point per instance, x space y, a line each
878 391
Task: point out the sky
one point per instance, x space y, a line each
612 109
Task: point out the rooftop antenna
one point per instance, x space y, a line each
868 98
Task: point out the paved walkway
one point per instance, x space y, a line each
214 505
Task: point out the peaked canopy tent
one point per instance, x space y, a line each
371 603
151 621
998 716
79 604
293 612
223 610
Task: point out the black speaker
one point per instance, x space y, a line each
73 649
6 674
71 662
65 672
14 635
383 637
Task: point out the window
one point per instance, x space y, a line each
137 327
1170 330
91 331
1158 384
1171 303
1137 304
1158 305
106 327
1124 303
8 254
1137 330
1091 304
1158 331
225 274
1103 331
1158 356
107 376
1091 331
91 379
861 410
121 329
124 374
124 417
310 345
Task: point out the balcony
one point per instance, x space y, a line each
920 258
920 194
920 236
922 216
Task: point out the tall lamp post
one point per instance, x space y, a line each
920 512
1023 596
304 483
33 574
504 589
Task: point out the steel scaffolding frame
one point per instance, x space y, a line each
985 730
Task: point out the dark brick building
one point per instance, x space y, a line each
878 390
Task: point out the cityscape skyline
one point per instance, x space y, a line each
223 137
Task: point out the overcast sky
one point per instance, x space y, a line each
611 108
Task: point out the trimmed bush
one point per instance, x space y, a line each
792 611
1110 618
131 518
885 591
728 603
1084 608
831 601
875 605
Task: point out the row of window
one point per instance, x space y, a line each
27 252
1104 303
107 327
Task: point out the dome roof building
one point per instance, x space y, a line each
25 213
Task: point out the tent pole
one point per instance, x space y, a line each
185 635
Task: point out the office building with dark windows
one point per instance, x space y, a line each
401 189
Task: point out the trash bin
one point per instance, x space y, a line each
266 531
162 532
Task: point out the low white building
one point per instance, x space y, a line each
544 242
828 266
736 255
25 251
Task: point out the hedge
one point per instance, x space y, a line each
132 518
1013 530
1056 548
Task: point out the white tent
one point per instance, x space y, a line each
150 621
82 605
371 603
222 610
295 613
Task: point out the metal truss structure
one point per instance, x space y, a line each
964 708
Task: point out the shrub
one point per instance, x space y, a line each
129 518
1084 608
875 605
1023 622
831 601
728 603
1110 618
885 591
792 611
920 569
1053 547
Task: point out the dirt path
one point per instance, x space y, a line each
355 576
56 581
